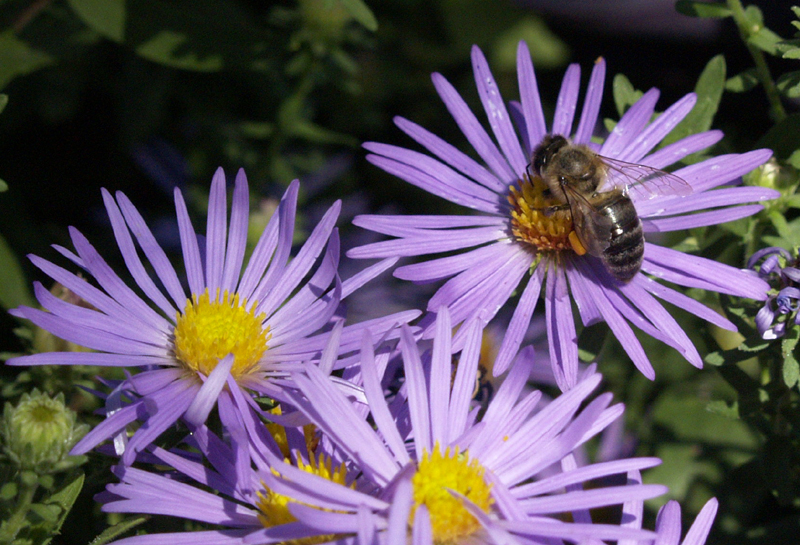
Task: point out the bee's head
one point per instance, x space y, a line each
544 152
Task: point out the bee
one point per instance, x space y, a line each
597 191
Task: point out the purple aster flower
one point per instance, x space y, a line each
226 485
668 521
522 234
781 307
448 477
255 325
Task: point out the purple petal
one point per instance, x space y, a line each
237 233
496 111
216 230
267 243
464 381
301 263
473 131
563 339
440 376
567 101
155 254
693 271
701 526
591 103
434 177
191 251
206 397
520 321
445 267
658 129
701 219
417 394
676 151
451 155
632 123
132 260
529 96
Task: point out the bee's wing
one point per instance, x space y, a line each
641 182
593 228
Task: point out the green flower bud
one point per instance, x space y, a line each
39 432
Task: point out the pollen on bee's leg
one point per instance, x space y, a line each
576 243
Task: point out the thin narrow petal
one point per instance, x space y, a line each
191 251
496 111
451 155
591 103
237 233
216 232
472 129
567 101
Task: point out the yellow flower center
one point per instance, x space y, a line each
274 508
278 433
437 474
535 222
207 331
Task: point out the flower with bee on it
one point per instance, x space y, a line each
523 238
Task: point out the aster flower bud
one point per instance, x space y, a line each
38 433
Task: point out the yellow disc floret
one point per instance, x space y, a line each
208 330
273 508
538 219
437 474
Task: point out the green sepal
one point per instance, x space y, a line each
118 529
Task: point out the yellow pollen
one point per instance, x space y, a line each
531 225
278 433
436 475
207 331
273 508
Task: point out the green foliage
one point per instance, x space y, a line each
708 89
14 285
113 532
716 10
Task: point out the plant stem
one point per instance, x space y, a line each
746 30
16 521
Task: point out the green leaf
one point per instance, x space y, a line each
106 17
3 102
61 503
111 533
743 81
169 48
624 93
791 367
361 13
780 224
784 138
708 89
724 409
765 40
789 84
14 290
702 9
19 59
790 49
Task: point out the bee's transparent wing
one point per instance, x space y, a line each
641 182
593 228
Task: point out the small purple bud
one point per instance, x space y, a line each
787 300
764 318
